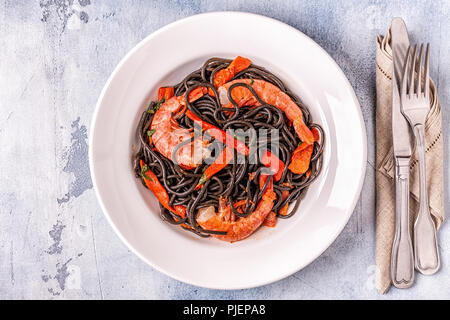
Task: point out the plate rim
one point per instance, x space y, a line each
94 121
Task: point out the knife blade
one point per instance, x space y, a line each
402 258
401 133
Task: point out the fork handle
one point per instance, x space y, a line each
402 261
425 240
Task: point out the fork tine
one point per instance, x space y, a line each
427 72
419 88
411 71
405 73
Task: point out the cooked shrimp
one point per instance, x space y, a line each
239 228
270 94
167 133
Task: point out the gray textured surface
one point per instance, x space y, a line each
55 58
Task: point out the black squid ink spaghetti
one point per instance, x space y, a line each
227 150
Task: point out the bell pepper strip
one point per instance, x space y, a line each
211 93
197 93
180 210
160 193
284 211
237 65
269 189
152 182
270 220
222 160
219 134
308 173
165 93
273 162
268 192
301 158
262 181
303 131
284 194
316 134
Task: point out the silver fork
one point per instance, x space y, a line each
415 105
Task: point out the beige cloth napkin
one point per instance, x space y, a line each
385 187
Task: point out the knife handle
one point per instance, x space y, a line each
402 259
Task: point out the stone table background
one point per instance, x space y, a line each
55 57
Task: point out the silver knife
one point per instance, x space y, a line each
402 259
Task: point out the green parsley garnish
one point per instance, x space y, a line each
203 179
156 106
300 143
150 132
161 102
143 171
251 83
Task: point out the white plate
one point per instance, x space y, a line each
164 58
